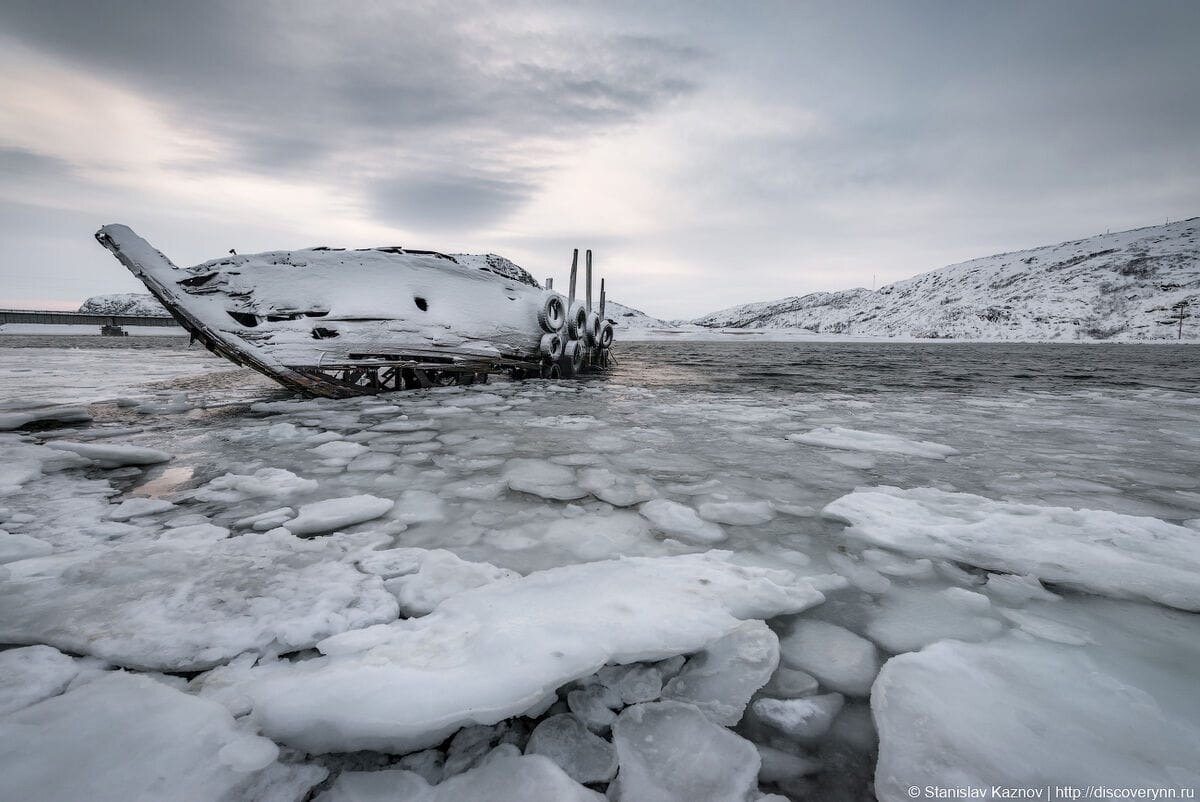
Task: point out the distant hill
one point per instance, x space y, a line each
123 303
627 318
1108 287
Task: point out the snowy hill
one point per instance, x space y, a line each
123 303
1108 287
627 318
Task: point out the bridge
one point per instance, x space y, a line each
82 318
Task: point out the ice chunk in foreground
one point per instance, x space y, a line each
837 657
878 442
337 513
670 751
108 455
190 605
1023 714
1123 556
911 618
31 674
722 678
531 778
804 719
125 737
585 757
681 521
499 650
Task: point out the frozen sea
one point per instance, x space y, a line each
724 571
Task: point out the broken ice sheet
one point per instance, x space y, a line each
501 649
121 737
190 605
1097 551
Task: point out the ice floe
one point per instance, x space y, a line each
543 478
263 483
532 635
681 521
1023 714
737 513
30 674
911 618
805 719
119 738
111 455
878 442
721 679
838 658
1097 551
585 757
18 415
529 778
421 579
337 513
190 605
16 546
669 751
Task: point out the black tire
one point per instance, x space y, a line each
577 322
593 330
551 346
572 358
552 315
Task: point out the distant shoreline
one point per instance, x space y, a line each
803 335
681 334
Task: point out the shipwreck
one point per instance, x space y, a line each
337 323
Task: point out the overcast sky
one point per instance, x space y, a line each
710 153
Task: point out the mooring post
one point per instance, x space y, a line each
550 283
588 279
601 299
574 268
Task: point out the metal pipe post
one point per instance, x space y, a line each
588 279
574 269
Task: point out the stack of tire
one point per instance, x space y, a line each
572 340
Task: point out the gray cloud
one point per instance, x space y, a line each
799 146
290 84
435 201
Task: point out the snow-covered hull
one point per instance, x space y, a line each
339 323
